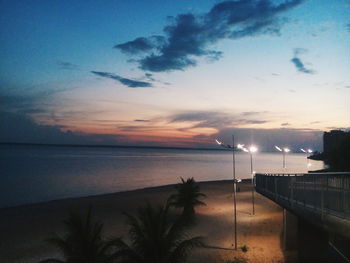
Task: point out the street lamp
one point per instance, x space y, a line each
284 151
252 149
308 153
234 183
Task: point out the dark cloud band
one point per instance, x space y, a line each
190 35
127 82
298 63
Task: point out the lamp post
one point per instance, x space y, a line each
252 149
234 184
284 151
308 153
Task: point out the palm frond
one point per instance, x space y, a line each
183 248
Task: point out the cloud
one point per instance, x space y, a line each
189 35
298 63
141 45
138 120
300 66
26 104
38 99
249 113
149 76
23 129
212 119
66 65
285 124
20 128
127 82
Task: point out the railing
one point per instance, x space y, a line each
324 193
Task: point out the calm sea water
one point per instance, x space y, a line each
30 174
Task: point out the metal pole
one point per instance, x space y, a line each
252 173
284 159
234 191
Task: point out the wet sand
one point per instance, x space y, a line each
23 229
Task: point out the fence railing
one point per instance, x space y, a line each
325 193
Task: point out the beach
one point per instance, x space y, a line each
24 228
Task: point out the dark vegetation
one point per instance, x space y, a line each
154 237
82 242
187 197
244 248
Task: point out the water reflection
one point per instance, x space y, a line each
34 174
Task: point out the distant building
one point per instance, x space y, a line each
332 140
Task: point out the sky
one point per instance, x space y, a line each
174 73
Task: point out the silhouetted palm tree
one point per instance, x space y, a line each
187 197
83 242
154 239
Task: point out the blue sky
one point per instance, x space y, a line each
174 72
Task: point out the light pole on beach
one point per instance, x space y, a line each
252 149
284 151
308 153
234 183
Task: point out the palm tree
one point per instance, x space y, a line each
83 242
155 239
187 198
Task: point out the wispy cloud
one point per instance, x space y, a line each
21 128
189 35
285 124
126 82
140 45
26 104
212 119
67 65
298 63
139 120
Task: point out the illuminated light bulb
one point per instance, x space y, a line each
240 146
253 149
278 148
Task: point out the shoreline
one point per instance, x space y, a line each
24 228
113 193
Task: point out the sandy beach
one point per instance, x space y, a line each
24 228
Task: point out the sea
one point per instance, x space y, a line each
33 173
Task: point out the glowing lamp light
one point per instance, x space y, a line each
218 142
253 149
310 151
278 148
302 150
240 146
286 150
